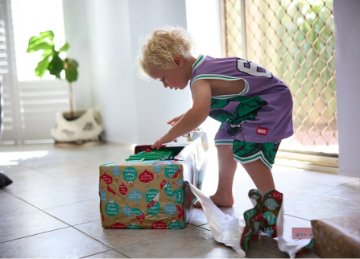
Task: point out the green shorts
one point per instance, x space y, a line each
246 152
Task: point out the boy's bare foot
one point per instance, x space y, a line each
220 202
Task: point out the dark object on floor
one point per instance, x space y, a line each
4 180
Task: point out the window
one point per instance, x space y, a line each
295 40
30 104
29 18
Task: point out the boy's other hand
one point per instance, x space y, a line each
173 121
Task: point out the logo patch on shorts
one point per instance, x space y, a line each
262 131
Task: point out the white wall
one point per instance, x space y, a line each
347 58
111 72
107 35
78 31
204 24
155 105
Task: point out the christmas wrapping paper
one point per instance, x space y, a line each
143 195
152 194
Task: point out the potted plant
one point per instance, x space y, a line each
72 126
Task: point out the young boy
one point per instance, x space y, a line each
253 106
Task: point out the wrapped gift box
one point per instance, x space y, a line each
337 237
152 193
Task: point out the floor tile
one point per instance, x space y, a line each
309 206
59 243
36 184
77 213
108 254
265 247
299 177
11 206
347 191
15 155
120 237
26 224
53 199
188 242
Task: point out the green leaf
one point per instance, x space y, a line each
47 34
56 66
39 46
65 47
51 60
48 52
43 41
71 69
42 67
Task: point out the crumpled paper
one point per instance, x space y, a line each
224 228
289 246
228 229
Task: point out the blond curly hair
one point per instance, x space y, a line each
163 45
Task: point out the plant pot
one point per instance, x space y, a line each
84 126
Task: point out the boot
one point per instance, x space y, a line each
263 217
253 218
272 202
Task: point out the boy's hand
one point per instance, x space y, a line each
165 139
161 141
157 144
173 121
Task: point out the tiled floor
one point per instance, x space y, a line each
52 208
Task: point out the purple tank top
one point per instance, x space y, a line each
262 112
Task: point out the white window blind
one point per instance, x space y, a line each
9 127
30 102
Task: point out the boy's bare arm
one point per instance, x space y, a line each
199 111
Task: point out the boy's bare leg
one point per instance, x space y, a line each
223 196
258 171
261 175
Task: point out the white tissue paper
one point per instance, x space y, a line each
224 228
228 229
287 245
